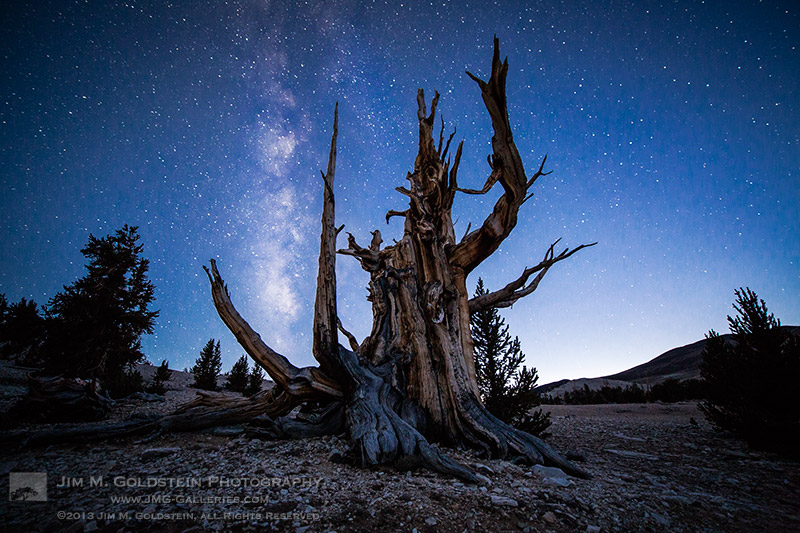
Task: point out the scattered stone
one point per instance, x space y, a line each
548 472
631 453
503 501
660 519
626 437
735 454
678 487
575 456
483 469
154 453
557 481
336 456
483 480
228 431
143 397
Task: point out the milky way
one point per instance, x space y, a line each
671 130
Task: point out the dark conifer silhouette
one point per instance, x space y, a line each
750 383
254 379
207 367
22 330
506 385
237 379
94 325
162 375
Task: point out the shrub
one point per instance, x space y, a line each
162 375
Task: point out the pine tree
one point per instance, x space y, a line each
506 390
207 367
254 380
94 325
750 383
237 379
22 331
162 375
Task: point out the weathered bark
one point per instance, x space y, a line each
301 383
326 322
412 380
206 411
59 399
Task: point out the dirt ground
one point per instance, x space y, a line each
655 468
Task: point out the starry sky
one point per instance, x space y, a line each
671 129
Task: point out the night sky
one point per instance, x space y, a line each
671 127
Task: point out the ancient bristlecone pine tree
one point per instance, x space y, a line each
412 380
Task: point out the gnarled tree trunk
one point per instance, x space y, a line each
412 380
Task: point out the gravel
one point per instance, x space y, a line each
652 470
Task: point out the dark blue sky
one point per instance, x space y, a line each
671 129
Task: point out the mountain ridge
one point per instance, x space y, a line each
681 363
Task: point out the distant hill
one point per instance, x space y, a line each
570 385
545 389
679 363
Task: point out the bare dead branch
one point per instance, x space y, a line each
490 181
447 146
368 258
350 337
301 382
325 337
453 178
393 213
538 173
507 168
469 225
375 243
404 191
441 137
520 287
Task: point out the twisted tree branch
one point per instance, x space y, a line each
517 289
306 382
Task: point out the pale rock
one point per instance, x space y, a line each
153 453
548 471
503 501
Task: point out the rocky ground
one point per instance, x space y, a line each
655 468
